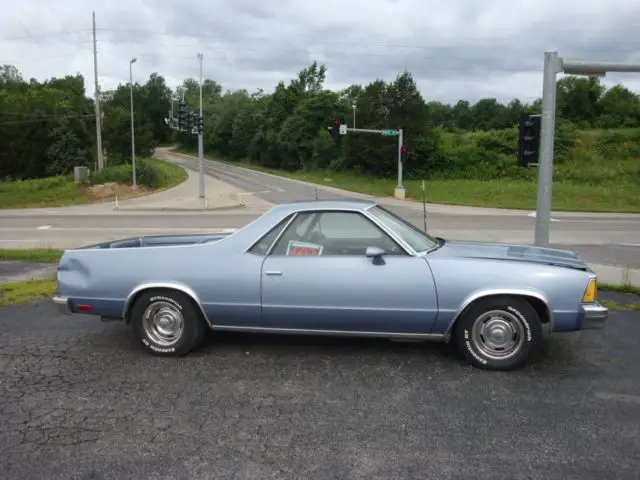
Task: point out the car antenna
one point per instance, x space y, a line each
316 192
424 207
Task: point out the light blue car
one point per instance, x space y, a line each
334 268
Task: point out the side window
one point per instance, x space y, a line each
261 247
333 233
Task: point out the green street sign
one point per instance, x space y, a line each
389 133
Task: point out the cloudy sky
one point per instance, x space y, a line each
455 49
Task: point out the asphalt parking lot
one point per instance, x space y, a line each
79 399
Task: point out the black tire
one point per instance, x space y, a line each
176 306
513 315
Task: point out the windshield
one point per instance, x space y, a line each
416 238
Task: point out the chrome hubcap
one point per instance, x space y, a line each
163 323
498 334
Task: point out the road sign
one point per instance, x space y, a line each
389 133
343 129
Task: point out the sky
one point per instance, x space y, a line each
456 49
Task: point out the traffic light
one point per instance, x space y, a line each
404 151
200 124
182 116
190 121
528 140
335 128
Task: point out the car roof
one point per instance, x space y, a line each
360 204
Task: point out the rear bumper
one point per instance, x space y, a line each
62 303
594 316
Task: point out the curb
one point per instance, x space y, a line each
179 209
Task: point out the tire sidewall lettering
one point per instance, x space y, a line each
528 337
161 298
155 348
471 350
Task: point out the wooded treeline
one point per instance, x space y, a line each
48 127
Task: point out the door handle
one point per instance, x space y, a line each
273 273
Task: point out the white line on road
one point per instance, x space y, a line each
630 244
533 215
44 227
254 193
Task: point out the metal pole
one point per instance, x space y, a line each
354 115
545 161
400 159
97 98
133 138
200 138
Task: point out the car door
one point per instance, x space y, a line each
317 277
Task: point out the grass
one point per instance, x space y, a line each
23 292
622 288
511 194
627 307
34 255
61 191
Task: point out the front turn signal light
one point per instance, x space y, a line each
591 292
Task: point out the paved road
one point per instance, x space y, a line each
87 229
81 400
613 240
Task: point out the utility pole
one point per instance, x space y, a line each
201 137
553 64
133 136
97 98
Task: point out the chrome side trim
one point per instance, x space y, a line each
401 243
277 239
248 249
405 246
490 293
339 333
170 286
62 304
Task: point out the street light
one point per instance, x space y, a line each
133 139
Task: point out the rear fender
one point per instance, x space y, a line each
136 292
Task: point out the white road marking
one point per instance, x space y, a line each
533 215
44 227
630 244
254 193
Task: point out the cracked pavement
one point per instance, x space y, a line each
80 399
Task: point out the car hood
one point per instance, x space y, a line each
508 252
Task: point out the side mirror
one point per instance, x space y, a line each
374 252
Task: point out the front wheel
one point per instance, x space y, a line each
499 333
167 323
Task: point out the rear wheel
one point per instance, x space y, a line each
499 333
167 323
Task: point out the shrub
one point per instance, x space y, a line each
147 174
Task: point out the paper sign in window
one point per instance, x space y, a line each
304 249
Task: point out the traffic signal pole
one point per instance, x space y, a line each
399 191
553 64
201 138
